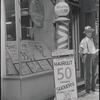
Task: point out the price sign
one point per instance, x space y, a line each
34 66
12 50
24 69
65 79
45 65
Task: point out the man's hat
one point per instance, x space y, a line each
88 28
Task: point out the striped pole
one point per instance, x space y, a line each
62 32
62 23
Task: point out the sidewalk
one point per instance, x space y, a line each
83 96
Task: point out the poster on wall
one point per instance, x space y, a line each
65 78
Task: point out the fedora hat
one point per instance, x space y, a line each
88 29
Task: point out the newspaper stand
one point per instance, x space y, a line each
64 75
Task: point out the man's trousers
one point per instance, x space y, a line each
90 66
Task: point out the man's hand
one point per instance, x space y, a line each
81 54
97 53
81 51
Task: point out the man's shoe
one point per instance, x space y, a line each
88 92
93 90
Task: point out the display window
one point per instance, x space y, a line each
31 36
28 47
10 20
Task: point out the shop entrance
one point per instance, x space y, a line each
75 35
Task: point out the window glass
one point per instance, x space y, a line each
36 34
11 49
10 20
25 20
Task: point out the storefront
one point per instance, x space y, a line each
29 35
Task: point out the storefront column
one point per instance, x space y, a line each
18 33
3 39
3 50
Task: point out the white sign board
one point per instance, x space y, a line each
65 78
62 8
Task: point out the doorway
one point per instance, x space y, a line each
76 41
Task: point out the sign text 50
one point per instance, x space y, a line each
64 73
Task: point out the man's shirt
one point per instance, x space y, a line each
88 46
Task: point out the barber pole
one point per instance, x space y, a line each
64 67
62 25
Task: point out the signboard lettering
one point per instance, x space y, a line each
65 79
63 63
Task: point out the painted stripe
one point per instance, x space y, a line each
63 28
63 42
64 31
63 38
61 33
63 45
63 23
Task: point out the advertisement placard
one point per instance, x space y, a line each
65 78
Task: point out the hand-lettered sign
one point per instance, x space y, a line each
65 79
31 53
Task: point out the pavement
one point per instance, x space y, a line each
82 95
92 96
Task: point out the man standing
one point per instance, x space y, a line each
89 53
